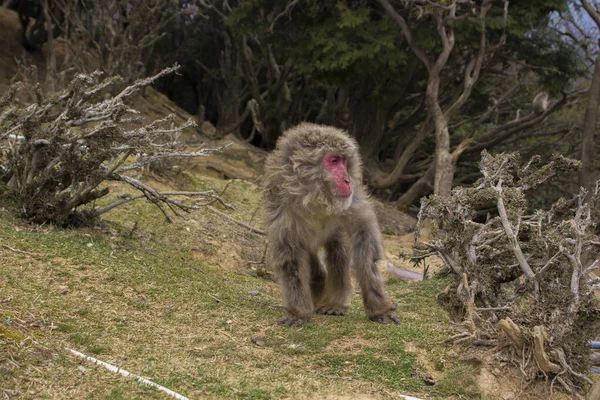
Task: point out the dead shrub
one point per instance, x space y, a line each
60 150
521 276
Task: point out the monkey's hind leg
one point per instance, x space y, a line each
338 287
367 251
294 277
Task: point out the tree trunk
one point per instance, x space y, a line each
327 112
367 125
230 100
382 181
587 176
444 172
273 129
229 109
418 189
444 164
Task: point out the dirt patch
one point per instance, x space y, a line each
342 397
499 380
238 161
393 221
398 246
424 363
348 344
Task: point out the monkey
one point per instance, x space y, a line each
518 115
540 103
494 108
314 199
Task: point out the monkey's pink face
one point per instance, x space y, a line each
337 167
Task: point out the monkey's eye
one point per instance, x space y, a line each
335 160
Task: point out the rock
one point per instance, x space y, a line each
258 340
594 393
428 380
208 129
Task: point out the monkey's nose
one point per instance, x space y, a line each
346 180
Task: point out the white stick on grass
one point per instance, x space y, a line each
127 374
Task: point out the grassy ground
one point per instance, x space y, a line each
177 303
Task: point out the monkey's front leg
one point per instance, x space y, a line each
366 242
292 265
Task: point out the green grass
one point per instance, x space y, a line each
140 302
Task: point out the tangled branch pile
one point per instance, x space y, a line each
56 153
521 281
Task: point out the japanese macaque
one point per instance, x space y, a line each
494 107
540 103
314 199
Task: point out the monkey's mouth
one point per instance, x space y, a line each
344 191
345 195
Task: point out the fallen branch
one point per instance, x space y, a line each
216 299
17 250
127 374
242 224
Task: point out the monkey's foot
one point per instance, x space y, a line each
289 321
330 310
386 317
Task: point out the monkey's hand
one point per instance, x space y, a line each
291 320
386 317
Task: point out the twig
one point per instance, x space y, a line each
550 261
242 224
160 156
254 213
493 309
513 241
18 251
127 374
288 8
563 361
167 259
216 299
264 256
591 268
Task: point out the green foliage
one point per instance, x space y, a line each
358 46
331 41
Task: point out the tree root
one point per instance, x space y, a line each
512 331
539 351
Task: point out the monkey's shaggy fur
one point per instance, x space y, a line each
294 174
304 214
